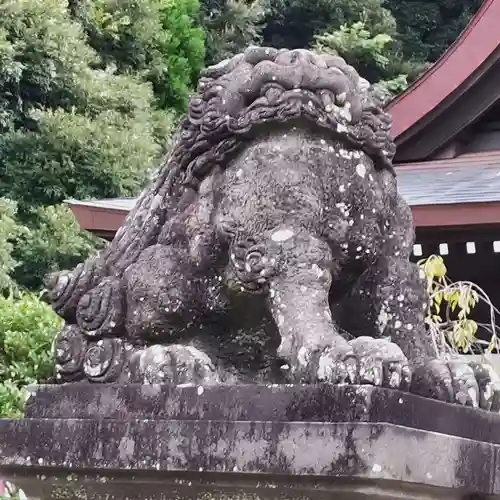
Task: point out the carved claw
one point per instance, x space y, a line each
370 361
381 362
176 364
458 381
488 382
70 347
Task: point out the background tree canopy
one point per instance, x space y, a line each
156 39
90 93
389 41
68 128
426 29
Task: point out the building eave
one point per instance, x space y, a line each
105 222
463 58
463 191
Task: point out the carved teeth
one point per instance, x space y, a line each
341 98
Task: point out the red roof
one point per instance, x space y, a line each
465 55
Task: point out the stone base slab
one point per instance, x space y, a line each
248 442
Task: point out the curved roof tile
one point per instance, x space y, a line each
479 39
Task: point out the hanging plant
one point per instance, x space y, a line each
449 312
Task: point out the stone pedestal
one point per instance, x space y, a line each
248 442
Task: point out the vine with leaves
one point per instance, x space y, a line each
449 311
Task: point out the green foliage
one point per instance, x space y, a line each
9 234
422 29
67 129
376 56
183 49
231 26
47 239
362 31
294 23
12 400
27 330
43 57
156 39
74 156
13 493
426 28
402 36
449 311
357 42
54 241
390 88
366 52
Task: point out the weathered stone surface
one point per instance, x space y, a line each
273 246
279 403
248 442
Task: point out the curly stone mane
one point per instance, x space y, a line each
265 85
260 86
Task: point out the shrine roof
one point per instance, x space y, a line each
473 178
457 65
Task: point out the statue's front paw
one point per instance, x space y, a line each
176 365
458 381
369 361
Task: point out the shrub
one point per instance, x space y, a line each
51 242
10 230
27 329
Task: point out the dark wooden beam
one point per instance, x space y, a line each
457 215
454 217
455 114
104 222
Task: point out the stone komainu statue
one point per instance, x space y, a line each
272 247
